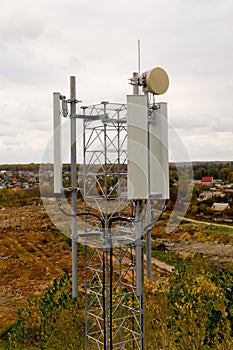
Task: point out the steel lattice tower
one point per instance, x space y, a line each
113 306
122 180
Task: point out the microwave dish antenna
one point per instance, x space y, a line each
155 81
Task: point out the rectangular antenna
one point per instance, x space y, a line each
159 168
57 143
137 146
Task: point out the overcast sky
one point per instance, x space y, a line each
43 42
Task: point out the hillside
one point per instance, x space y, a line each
32 254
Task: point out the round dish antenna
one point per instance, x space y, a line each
155 81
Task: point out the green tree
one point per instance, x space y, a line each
200 172
213 171
225 174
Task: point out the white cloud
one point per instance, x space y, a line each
43 43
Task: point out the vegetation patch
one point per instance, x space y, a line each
217 234
54 321
171 257
191 310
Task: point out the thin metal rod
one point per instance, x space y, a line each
135 87
110 296
104 303
118 167
148 241
106 300
85 247
140 268
138 236
121 308
148 206
86 296
105 174
139 57
73 186
142 321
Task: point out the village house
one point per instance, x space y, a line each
220 209
204 196
207 180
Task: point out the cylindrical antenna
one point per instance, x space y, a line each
73 156
139 57
57 143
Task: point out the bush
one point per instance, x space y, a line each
55 321
193 310
18 198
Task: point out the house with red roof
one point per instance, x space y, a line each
207 180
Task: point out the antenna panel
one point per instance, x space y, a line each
159 168
57 143
137 147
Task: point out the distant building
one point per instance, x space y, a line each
207 180
220 210
219 194
220 207
205 195
196 182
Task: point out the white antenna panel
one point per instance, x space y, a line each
57 143
159 168
137 147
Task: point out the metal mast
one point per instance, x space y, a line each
73 150
113 306
117 186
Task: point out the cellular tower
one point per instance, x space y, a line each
122 182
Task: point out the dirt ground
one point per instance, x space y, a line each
215 246
33 252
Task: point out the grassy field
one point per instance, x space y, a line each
190 308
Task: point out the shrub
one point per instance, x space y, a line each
55 321
191 311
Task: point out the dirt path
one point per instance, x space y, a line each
162 265
211 250
206 223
